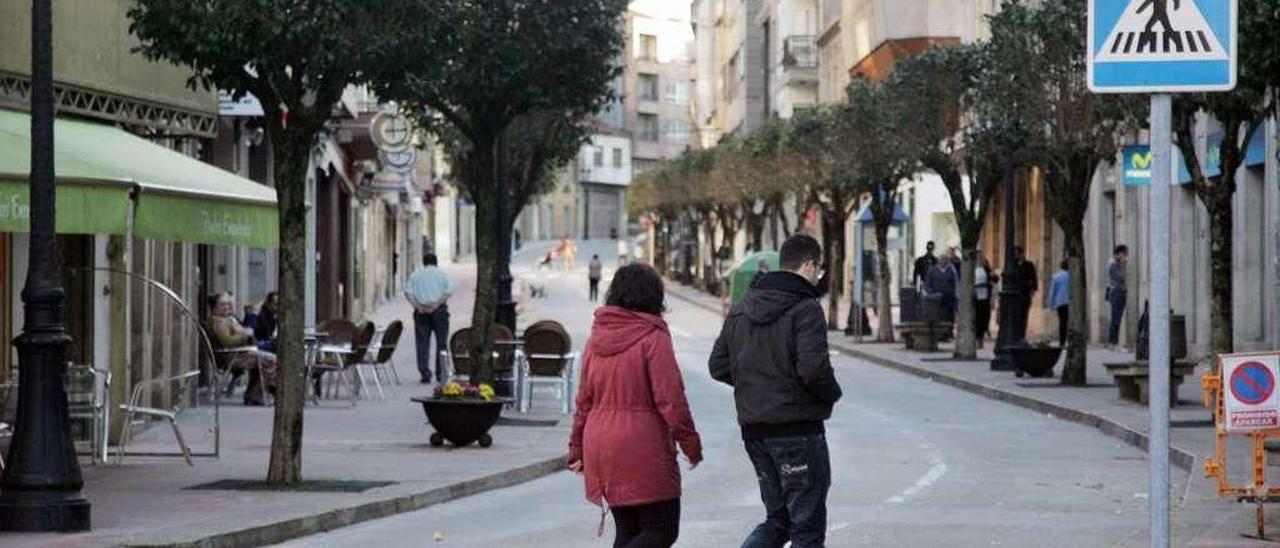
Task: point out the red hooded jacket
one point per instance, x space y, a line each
631 412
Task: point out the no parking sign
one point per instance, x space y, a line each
1251 399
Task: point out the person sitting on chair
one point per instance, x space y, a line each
226 332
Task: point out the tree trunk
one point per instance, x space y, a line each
1074 368
1220 259
966 339
292 159
833 221
884 302
480 176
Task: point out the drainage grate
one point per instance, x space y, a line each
309 486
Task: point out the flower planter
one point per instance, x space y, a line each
1036 361
462 421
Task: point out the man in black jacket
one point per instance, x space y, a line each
773 351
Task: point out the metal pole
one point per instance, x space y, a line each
40 490
1158 211
1011 300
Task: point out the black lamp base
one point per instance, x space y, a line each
43 513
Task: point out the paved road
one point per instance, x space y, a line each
915 464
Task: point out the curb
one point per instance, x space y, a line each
343 517
1184 460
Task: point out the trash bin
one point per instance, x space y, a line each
909 301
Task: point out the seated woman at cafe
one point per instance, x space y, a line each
227 333
264 329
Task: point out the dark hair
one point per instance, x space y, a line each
1017 250
929 244
797 250
430 260
1121 249
637 287
1066 263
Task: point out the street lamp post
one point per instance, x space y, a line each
40 490
1012 298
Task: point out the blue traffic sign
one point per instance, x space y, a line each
1158 46
1252 383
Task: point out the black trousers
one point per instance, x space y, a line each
981 318
595 289
655 525
1063 320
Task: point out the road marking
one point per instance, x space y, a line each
937 465
934 474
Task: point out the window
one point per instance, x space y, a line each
677 131
648 87
677 93
648 47
599 156
733 72
648 127
617 157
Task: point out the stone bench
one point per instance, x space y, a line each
1133 379
923 336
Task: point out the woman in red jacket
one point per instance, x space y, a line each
631 413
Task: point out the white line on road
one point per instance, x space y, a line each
934 474
937 465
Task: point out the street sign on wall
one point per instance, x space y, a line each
1251 402
1150 46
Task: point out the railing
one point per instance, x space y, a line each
800 51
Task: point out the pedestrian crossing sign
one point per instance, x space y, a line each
1160 46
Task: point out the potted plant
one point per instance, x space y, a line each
1035 360
462 414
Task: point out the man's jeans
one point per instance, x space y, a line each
1117 299
424 326
795 475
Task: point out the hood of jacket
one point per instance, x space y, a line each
774 294
617 329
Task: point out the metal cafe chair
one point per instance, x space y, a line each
548 359
87 393
135 407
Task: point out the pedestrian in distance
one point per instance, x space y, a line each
944 280
1030 283
1060 299
428 291
594 271
920 274
632 414
773 351
567 251
984 281
1117 291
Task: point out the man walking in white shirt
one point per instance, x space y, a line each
428 290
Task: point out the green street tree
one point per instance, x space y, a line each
493 63
936 101
875 162
1241 112
296 58
818 149
1069 130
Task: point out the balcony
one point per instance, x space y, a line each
799 60
800 51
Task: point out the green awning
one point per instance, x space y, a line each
178 197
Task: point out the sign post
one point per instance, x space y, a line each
1161 47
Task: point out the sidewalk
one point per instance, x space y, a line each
148 501
1201 519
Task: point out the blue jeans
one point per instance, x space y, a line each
425 327
1117 300
795 475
